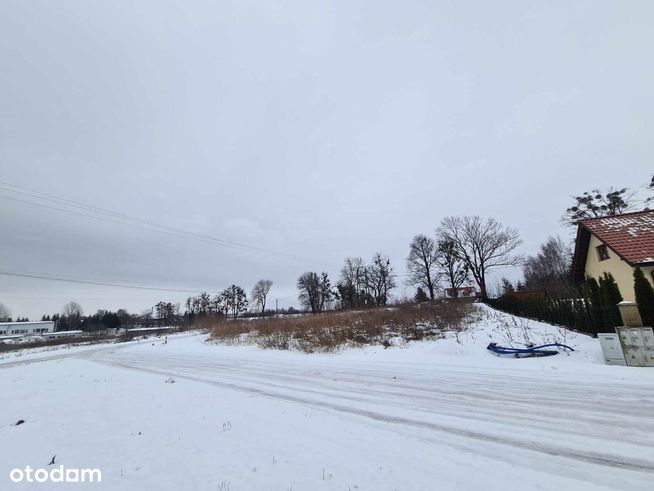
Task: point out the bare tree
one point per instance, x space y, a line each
380 279
549 270
147 317
72 309
452 267
259 294
314 291
234 300
351 286
73 312
204 303
124 317
482 245
5 313
422 263
166 312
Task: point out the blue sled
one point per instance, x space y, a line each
527 352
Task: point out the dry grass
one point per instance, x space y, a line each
331 331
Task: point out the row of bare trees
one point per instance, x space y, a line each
232 301
360 285
463 248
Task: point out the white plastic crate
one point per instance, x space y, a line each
611 349
637 345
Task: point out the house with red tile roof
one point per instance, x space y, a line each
615 245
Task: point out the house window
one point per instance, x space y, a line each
602 252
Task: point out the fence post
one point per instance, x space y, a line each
630 314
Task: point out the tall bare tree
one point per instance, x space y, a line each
452 267
482 245
351 285
314 291
124 317
203 304
422 263
234 300
380 279
166 312
73 312
549 270
147 316
259 294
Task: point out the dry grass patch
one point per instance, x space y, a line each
331 331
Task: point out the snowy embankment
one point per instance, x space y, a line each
442 414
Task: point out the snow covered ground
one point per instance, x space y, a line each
430 415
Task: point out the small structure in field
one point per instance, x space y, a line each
461 292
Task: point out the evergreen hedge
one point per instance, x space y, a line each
593 309
644 297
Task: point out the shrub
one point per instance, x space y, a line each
611 297
330 331
644 297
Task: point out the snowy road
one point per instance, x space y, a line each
595 430
242 418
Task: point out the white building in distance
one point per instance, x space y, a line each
15 329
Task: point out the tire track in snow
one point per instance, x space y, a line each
597 458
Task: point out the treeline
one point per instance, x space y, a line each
72 318
360 285
463 250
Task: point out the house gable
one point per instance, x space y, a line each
629 242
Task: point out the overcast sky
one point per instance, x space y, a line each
319 129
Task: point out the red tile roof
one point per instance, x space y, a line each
630 235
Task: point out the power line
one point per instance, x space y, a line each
122 219
96 283
144 225
86 215
136 222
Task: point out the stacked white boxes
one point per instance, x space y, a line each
637 345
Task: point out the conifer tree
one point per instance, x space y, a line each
593 292
610 297
644 297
